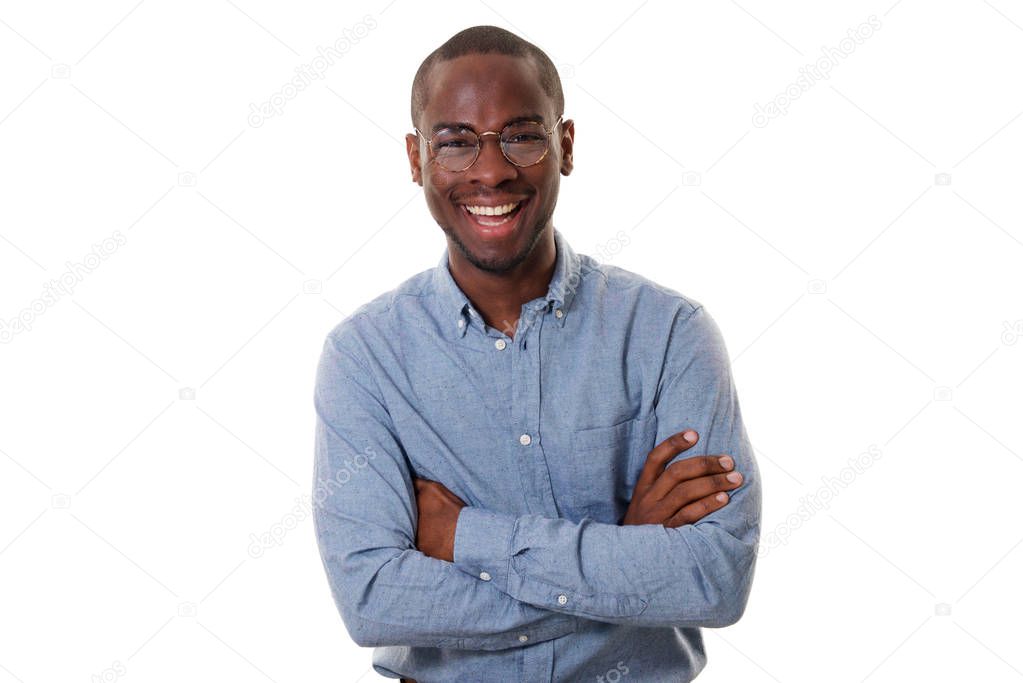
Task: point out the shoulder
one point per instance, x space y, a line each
625 287
375 317
667 318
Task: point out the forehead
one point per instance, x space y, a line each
485 90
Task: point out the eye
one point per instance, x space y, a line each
524 138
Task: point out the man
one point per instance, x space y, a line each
530 466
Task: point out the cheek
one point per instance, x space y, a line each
436 185
548 186
437 199
554 182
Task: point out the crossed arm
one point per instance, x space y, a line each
526 575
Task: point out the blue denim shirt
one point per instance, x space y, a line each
543 435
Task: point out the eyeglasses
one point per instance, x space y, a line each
524 143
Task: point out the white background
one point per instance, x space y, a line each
868 305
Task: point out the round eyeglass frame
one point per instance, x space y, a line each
479 145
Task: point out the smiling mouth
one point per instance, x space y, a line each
492 216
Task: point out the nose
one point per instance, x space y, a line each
492 167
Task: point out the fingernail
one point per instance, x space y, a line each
733 477
726 462
690 436
722 497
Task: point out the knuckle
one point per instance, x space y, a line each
689 489
672 471
680 473
695 489
660 455
656 456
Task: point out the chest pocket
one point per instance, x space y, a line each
605 464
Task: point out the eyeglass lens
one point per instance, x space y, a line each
523 144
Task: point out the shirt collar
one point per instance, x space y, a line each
455 307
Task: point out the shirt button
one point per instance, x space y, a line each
461 323
525 440
485 576
558 313
523 638
500 344
562 599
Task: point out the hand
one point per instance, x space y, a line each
438 517
683 492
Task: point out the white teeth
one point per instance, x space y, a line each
491 210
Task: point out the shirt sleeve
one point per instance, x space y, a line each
365 516
647 575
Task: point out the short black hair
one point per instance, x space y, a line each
487 40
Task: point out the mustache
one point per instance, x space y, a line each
489 196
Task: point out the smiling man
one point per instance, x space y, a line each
530 466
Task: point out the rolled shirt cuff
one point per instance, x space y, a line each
483 542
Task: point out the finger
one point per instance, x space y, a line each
689 468
693 490
694 512
661 454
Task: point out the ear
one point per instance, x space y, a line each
414 160
567 142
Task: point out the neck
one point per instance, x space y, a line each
498 297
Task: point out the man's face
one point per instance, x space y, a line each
486 92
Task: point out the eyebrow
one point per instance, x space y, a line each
535 118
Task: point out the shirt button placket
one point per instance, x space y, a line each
532 409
